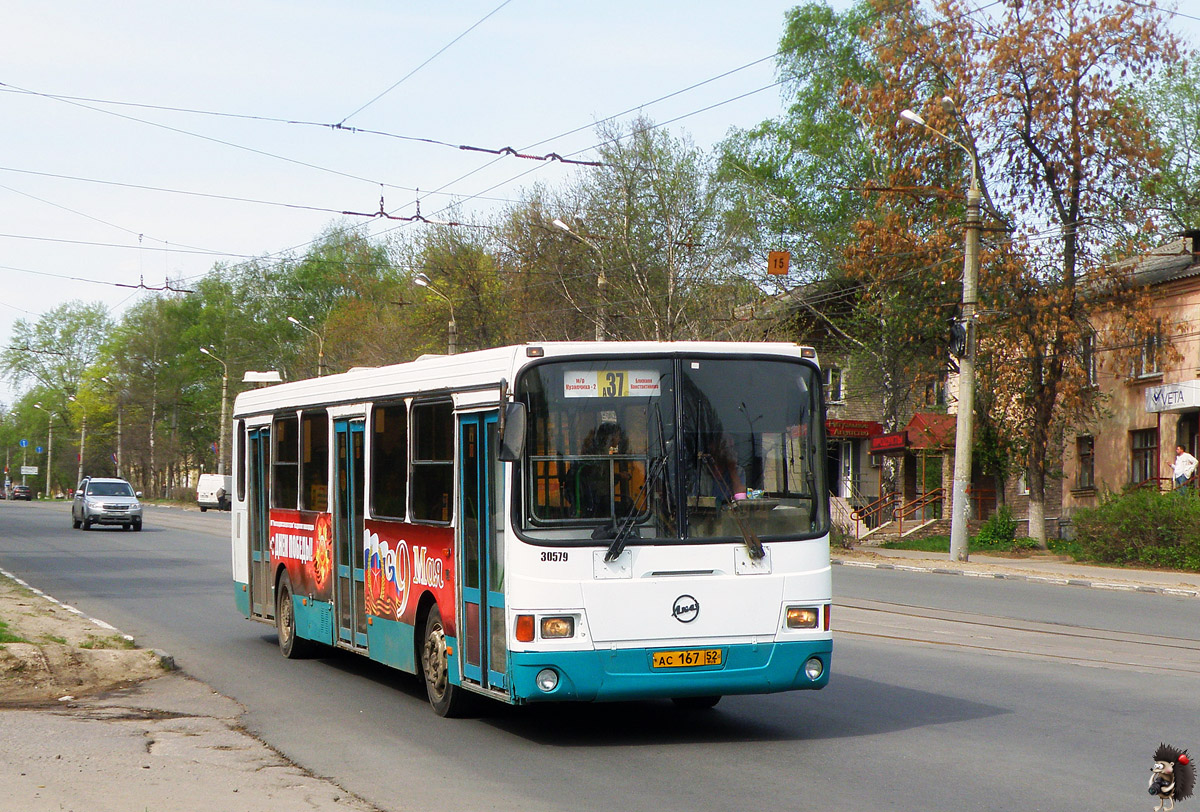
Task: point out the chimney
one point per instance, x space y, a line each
1192 235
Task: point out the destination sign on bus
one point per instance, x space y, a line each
611 383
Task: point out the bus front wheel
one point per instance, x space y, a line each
290 645
447 700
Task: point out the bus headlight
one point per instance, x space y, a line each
557 627
546 680
802 617
813 668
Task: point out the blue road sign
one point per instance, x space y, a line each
24 444
38 450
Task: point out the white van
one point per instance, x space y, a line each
213 491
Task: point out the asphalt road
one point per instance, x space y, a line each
946 693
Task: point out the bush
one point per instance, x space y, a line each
1144 527
1000 530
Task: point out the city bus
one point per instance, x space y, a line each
574 521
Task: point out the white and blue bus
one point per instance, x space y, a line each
547 522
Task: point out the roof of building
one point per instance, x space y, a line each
931 430
1175 260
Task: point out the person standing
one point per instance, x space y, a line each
1183 468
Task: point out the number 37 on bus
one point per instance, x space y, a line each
555 522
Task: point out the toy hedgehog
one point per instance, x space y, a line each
1172 777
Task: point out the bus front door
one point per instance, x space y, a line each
258 468
348 534
482 544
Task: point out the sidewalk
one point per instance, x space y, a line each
1039 568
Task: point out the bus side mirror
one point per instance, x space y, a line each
512 438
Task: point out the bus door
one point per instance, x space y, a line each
258 483
481 537
348 533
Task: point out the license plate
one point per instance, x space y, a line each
688 658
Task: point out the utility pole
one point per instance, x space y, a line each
965 419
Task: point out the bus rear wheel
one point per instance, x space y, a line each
696 702
290 645
447 700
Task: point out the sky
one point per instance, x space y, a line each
103 188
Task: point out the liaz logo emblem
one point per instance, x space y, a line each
686 609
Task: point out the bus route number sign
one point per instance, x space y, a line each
688 658
610 383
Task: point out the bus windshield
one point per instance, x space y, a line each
673 449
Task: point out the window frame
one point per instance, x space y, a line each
415 464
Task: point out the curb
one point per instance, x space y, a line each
164 659
1009 576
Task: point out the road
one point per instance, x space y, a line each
947 693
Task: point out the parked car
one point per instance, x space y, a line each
22 492
106 501
213 491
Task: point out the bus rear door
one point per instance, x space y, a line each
482 542
348 533
258 463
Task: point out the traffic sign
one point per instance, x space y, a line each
38 450
778 262
24 444
29 470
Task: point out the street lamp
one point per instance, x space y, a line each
421 280
966 363
223 447
120 396
82 436
320 344
49 443
601 280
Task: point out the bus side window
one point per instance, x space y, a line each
286 463
432 461
389 460
314 462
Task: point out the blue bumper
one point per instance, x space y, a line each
627 673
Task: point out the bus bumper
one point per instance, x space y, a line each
624 674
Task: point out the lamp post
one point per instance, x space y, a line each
964 424
49 443
601 280
120 396
421 280
320 344
82 437
224 400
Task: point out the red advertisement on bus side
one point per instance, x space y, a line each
404 560
303 542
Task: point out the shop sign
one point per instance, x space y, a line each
852 428
896 441
1173 397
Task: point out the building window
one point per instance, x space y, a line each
935 393
1145 363
1085 450
1023 484
1091 368
833 385
1144 456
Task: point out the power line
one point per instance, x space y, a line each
439 52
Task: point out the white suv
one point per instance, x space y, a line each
106 501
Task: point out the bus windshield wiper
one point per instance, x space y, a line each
623 528
754 546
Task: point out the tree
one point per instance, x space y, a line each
1044 90
1173 101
